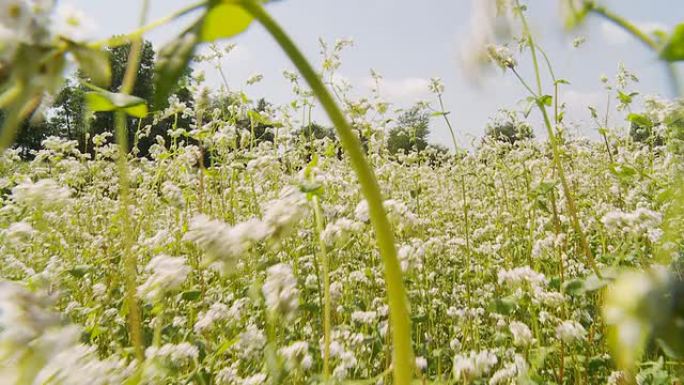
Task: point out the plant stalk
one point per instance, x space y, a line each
403 363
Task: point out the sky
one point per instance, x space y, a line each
409 42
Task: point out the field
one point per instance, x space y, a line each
229 241
485 250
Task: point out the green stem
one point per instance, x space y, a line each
398 303
11 94
448 123
640 35
129 257
555 148
326 289
27 103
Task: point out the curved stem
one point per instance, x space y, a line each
624 24
640 35
129 257
398 304
555 148
448 123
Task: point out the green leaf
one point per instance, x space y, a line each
673 50
102 100
173 60
223 20
94 63
574 16
191 295
574 287
594 283
503 305
640 120
546 100
561 81
626 98
226 345
622 171
79 271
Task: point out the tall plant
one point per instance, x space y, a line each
219 19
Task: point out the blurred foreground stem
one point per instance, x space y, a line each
640 35
399 317
130 268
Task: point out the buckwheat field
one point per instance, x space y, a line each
159 229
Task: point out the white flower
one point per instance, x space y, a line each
223 242
641 221
501 55
254 78
280 290
71 23
569 331
15 24
364 317
297 355
251 342
218 312
512 373
522 336
280 215
79 365
176 355
256 379
436 86
421 363
338 232
19 232
487 22
474 365
45 192
617 377
173 194
520 275
165 274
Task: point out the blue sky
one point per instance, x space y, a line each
408 42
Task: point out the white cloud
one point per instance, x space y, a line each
407 89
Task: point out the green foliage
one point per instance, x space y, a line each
224 19
673 49
641 130
507 127
220 20
104 101
411 131
314 130
94 64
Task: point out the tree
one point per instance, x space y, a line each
314 130
507 127
143 88
411 131
69 111
32 133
